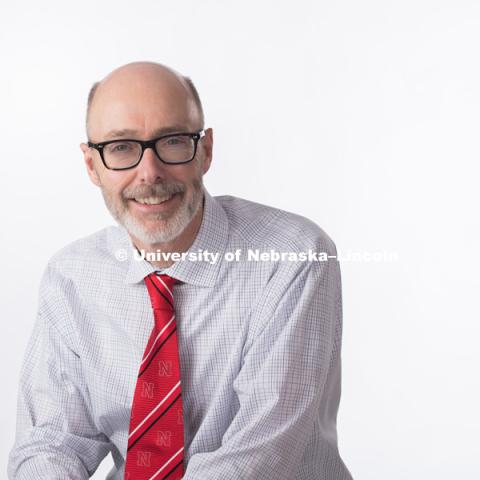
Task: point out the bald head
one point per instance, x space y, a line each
144 83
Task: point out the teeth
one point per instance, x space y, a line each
152 200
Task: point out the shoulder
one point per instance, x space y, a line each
75 272
91 252
271 227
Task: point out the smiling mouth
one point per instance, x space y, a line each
152 200
154 203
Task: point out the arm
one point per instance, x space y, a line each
289 384
56 437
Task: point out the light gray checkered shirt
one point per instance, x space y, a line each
259 344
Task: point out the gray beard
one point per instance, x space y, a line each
167 230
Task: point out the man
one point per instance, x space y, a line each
199 367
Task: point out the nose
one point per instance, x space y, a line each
151 168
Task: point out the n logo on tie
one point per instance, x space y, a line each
143 458
165 368
147 389
164 438
180 416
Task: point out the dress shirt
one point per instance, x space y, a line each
259 348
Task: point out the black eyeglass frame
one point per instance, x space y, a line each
196 136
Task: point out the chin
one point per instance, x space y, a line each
157 231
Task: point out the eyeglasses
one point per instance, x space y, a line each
172 149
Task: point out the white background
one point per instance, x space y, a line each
363 116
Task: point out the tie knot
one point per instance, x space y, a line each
160 289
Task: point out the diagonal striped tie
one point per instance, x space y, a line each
155 440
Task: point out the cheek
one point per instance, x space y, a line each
116 182
196 170
183 175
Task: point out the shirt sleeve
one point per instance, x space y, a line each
289 383
56 437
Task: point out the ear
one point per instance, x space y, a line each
90 163
207 145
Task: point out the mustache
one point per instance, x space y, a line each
154 190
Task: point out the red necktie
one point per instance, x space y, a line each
155 440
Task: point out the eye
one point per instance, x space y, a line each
120 147
174 141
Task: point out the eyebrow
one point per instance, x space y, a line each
134 133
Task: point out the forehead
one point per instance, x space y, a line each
142 107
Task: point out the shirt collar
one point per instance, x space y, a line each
212 236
